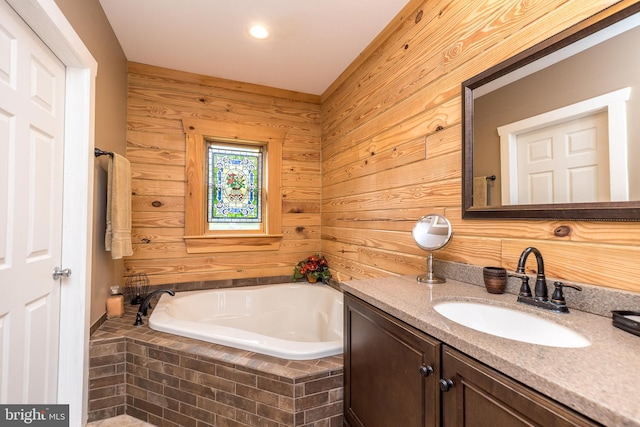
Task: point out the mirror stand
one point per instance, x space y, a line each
431 233
430 278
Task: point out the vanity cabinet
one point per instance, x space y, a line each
396 375
391 370
476 395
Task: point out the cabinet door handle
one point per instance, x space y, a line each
425 370
445 385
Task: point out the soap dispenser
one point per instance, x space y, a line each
115 303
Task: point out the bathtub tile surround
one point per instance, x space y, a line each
221 284
169 380
107 370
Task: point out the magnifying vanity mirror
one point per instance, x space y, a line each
553 132
431 232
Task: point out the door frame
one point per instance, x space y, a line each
47 20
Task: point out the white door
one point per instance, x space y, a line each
32 88
565 163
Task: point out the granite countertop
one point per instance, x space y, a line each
601 381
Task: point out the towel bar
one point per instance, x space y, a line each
98 152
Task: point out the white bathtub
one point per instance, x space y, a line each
292 321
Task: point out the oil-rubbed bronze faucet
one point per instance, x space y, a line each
557 302
541 281
142 311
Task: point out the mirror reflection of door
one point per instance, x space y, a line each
564 163
574 154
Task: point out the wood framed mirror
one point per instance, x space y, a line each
526 121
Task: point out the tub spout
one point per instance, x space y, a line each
142 311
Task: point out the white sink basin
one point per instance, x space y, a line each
512 324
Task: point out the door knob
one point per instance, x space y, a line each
58 273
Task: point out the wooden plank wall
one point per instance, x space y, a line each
158 100
392 143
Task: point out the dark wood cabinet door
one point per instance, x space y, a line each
391 370
481 397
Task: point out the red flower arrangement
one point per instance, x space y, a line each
314 268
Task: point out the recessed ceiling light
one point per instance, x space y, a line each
259 32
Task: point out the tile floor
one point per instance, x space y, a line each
120 421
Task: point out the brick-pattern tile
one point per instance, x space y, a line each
321 402
106 379
173 381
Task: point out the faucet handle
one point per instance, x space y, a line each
138 321
525 289
558 296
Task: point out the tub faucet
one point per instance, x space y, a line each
541 299
142 311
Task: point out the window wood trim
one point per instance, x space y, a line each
196 237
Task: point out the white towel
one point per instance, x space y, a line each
117 238
480 191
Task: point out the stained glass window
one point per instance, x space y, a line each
234 187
